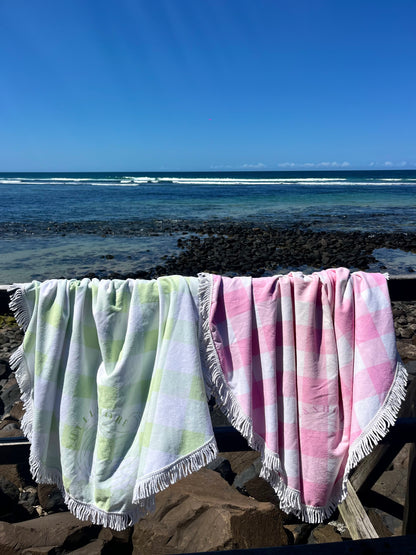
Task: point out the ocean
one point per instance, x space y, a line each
71 224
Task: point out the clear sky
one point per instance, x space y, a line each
114 85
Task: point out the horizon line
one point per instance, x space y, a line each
300 170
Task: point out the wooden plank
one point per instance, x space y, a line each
370 469
229 439
355 517
409 515
14 450
401 288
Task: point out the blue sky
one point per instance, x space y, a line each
114 85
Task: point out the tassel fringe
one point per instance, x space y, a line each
116 521
290 499
18 306
86 511
144 491
381 423
17 360
162 479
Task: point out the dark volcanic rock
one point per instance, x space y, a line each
10 395
203 513
61 530
242 249
50 498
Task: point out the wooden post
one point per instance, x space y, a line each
355 517
409 513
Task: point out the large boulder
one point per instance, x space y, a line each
204 513
61 530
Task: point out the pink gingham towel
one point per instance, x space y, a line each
306 368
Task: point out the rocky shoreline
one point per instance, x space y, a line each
229 249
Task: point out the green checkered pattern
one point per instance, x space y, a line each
113 388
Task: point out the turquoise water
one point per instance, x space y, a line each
31 205
267 196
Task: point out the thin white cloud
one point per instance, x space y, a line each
389 164
254 166
314 165
220 167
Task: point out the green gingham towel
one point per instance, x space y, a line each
111 381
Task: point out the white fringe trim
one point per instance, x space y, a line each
18 305
143 493
87 511
17 360
381 423
116 521
289 498
163 478
18 365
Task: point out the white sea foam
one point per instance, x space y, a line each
75 179
208 180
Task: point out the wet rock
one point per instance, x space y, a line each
406 350
300 532
405 333
223 467
50 498
9 497
10 508
324 533
204 513
10 428
94 547
17 411
241 460
29 497
40 551
261 490
60 530
248 474
18 474
10 394
4 369
119 542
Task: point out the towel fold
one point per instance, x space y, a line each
111 379
306 368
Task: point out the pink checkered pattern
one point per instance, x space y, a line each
307 364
